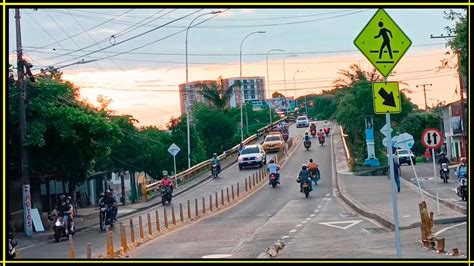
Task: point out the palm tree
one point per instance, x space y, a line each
217 94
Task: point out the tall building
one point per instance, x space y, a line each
253 89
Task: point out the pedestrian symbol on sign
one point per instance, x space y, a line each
386 41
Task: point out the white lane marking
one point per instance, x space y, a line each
329 199
327 195
303 222
351 223
447 228
294 230
298 225
285 237
217 256
312 215
307 219
319 206
316 210
406 216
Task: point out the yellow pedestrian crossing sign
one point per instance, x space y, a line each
386 98
382 42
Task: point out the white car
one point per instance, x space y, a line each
302 121
404 156
252 155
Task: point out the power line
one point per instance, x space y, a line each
131 38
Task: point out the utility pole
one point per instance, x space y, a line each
25 176
424 91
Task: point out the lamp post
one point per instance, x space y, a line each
268 82
241 91
284 73
187 102
294 87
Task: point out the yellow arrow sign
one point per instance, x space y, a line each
382 42
386 98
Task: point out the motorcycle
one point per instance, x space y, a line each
313 132
444 172
321 141
461 190
11 247
63 228
215 171
307 144
315 176
326 131
166 195
106 216
306 188
285 136
274 180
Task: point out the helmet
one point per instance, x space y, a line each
272 161
306 133
68 198
442 153
62 196
165 173
463 160
304 167
107 191
310 160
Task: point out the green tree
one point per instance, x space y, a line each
276 94
459 41
217 94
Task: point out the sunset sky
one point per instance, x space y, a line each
140 67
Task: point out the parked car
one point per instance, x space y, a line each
252 155
404 156
273 142
302 121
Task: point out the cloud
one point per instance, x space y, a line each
248 11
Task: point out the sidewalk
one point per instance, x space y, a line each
372 196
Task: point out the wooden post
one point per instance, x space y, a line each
89 251
110 244
72 253
132 232
123 238
228 198
181 212
441 245
142 235
157 216
217 201
189 210
150 232
238 186
210 202
165 216
173 217
232 189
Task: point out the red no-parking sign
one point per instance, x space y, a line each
432 138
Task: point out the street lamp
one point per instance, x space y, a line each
187 102
241 91
268 82
284 74
294 87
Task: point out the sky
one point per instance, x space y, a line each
137 56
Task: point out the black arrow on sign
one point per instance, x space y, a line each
388 98
435 138
429 139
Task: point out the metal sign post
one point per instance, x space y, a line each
173 150
435 179
432 138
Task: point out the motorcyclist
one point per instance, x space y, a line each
442 160
306 137
461 170
304 176
321 135
109 200
313 168
116 200
66 211
241 146
165 181
215 161
273 168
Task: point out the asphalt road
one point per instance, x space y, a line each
96 238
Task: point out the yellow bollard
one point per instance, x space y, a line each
173 217
140 224
189 210
72 254
196 207
110 245
157 216
181 212
203 205
123 238
210 202
88 251
150 231
132 232
165 217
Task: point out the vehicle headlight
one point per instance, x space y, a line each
241 159
258 157
58 223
